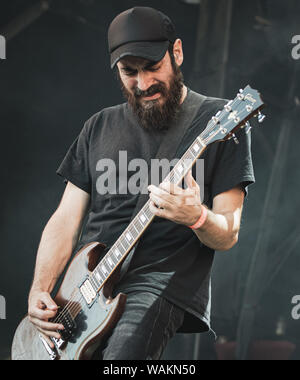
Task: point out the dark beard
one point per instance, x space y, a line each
151 114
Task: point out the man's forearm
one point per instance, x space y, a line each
219 232
55 249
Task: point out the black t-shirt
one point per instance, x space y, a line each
169 261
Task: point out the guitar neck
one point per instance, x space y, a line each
143 219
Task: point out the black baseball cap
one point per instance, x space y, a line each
140 32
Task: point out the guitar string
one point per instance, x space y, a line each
75 307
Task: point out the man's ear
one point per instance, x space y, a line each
178 52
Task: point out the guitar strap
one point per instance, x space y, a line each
167 150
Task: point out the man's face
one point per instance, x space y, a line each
153 89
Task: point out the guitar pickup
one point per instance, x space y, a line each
88 292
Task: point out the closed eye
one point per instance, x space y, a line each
129 72
152 69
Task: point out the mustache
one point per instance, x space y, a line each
153 90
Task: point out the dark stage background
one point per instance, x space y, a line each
57 75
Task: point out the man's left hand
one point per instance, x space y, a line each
178 205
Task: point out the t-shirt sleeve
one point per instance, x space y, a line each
75 166
234 165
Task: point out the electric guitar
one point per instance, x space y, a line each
88 283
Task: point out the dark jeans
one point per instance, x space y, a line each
146 326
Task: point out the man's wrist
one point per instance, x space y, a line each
37 287
201 220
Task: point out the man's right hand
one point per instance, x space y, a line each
41 308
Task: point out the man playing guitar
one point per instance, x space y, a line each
168 280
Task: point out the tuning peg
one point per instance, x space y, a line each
261 117
235 139
228 106
248 128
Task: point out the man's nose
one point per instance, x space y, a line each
144 81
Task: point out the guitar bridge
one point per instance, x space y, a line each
58 342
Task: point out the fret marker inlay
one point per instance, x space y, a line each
110 262
180 169
143 219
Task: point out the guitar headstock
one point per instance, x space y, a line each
235 116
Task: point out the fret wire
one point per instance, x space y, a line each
120 242
141 216
106 267
99 283
116 247
133 231
97 274
109 258
135 227
148 213
126 233
93 277
100 275
114 258
119 246
140 226
101 270
93 283
125 241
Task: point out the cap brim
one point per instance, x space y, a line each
154 51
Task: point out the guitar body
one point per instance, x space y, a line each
92 323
